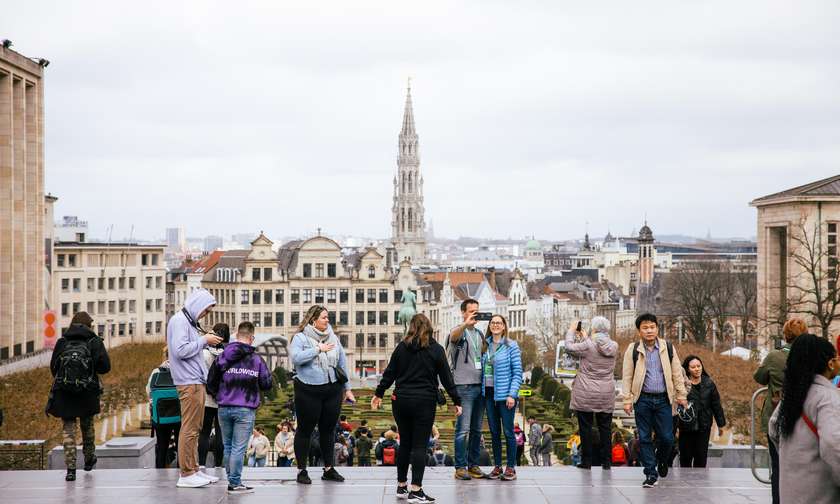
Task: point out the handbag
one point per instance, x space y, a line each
441 399
340 375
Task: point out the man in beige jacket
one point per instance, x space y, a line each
653 384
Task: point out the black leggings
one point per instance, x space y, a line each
604 424
163 435
694 448
211 422
414 421
317 405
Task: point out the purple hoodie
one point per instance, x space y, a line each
244 376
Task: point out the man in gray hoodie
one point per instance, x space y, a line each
186 339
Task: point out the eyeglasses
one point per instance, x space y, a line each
497 323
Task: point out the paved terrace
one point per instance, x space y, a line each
377 484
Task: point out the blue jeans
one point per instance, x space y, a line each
500 417
256 462
237 425
653 414
469 423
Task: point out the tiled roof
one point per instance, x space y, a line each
825 187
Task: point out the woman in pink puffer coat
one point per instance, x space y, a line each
593 390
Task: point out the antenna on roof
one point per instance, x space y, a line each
131 234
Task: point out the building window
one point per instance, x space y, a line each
131 282
371 318
396 316
155 261
132 306
121 329
158 304
121 283
307 296
360 340
331 317
148 306
100 307
360 318
383 295
267 274
245 296
60 260
100 283
158 282
246 317
295 296
65 285
91 284
307 270
122 306
255 274
148 282
331 296
256 294
343 295
832 256
91 308
144 260
319 270
371 271
295 319
344 340
383 318
383 340
278 296
360 295
371 341
319 296
343 318
397 338
148 328
278 319
331 270
267 319
65 309
158 325
77 307
71 260
371 295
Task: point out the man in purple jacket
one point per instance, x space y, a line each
243 376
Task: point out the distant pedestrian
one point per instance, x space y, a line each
258 447
165 410
284 447
534 439
79 357
546 444
620 451
520 443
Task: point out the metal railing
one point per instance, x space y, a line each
753 464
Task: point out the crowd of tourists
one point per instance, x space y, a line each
205 394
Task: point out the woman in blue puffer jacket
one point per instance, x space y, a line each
501 377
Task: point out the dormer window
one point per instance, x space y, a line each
255 274
371 271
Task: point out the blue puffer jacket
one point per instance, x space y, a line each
507 369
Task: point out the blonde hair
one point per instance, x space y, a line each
311 316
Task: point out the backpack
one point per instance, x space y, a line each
214 378
440 458
619 456
462 341
166 407
389 456
668 345
75 368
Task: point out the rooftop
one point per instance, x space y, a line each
828 188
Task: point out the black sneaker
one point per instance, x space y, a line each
662 469
402 492
650 482
90 464
332 475
303 477
71 475
419 497
606 467
239 489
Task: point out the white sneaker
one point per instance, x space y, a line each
192 481
211 479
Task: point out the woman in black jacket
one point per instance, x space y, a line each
77 359
416 365
705 400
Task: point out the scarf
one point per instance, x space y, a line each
329 359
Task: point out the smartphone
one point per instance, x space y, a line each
483 316
579 326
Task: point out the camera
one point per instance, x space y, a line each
483 316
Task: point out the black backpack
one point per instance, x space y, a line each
75 368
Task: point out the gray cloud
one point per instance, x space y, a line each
534 117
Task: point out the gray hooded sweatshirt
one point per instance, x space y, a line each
186 343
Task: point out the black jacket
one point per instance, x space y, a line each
416 371
64 404
706 400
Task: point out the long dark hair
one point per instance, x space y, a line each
809 356
419 331
690 358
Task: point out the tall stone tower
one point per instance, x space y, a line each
645 255
408 224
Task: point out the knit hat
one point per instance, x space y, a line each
82 318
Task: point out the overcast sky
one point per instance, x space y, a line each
533 117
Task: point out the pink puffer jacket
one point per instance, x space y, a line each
594 385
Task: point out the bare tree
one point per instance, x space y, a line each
812 287
721 296
688 291
744 301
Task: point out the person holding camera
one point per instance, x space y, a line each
186 340
416 365
464 350
502 376
593 390
321 384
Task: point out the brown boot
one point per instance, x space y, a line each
462 474
476 473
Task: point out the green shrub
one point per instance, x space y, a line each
536 375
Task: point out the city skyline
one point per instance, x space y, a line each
538 122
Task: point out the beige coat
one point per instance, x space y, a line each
809 468
674 375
